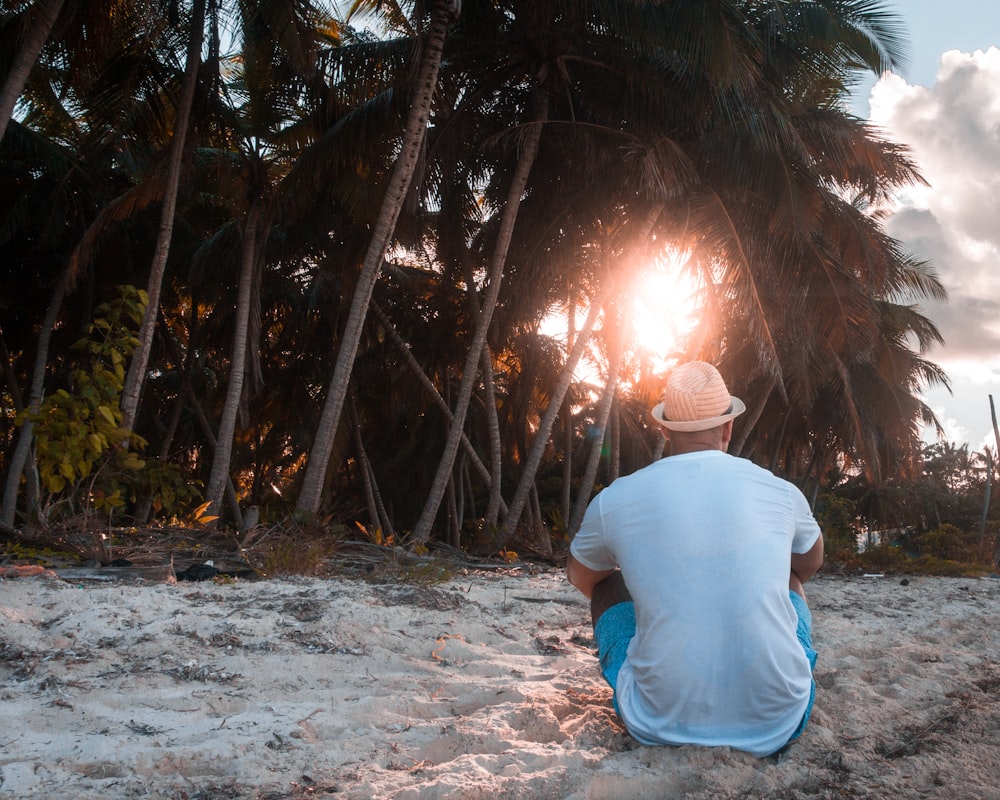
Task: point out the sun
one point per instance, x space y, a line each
666 307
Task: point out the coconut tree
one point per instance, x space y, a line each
519 180
274 64
182 118
77 125
30 30
432 46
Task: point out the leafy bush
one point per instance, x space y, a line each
835 516
945 542
86 459
885 558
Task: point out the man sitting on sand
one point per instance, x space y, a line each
694 566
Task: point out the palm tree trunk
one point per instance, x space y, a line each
23 449
460 482
594 457
541 538
737 445
567 471
209 434
984 517
615 436
31 474
495 499
376 510
534 458
454 514
519 181
365 475
441 403
399 183
237 363
996 436
136 377
44 16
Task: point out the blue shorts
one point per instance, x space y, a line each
616 627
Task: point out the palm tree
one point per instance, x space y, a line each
616 346
519 180
610 285
71 144
272 69
442 11
36 22
182 119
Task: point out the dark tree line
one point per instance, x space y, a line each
350 239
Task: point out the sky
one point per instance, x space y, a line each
945 106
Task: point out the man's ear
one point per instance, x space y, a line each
727 433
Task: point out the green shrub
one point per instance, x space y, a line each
87 461
884 558
835 516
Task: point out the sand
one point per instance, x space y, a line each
485 686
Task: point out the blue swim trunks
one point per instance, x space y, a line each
616 627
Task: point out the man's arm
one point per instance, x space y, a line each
585 578
804 565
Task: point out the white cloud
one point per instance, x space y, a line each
953 131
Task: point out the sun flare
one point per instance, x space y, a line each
666 307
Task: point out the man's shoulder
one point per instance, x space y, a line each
634 480
748 467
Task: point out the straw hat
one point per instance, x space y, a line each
696 399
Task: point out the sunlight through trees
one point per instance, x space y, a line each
421 268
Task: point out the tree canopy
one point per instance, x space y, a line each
391 252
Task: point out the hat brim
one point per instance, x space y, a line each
736 408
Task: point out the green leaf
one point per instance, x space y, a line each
133 462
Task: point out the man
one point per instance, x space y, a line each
694 566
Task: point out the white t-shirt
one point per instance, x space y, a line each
704 543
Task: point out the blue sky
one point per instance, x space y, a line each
945 106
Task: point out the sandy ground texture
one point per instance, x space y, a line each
482 687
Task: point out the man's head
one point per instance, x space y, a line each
696 401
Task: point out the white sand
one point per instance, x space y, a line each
483 687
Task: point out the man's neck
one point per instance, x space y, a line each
693 448
682 442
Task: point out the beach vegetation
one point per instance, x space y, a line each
393 258
939 520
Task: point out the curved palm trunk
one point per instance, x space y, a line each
531 463
31 474
399 183
237 364
594 457
534 458
567 473
519 181
136 376
615 435
495 500
439 401
376 509
23 449
737 445
45 13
